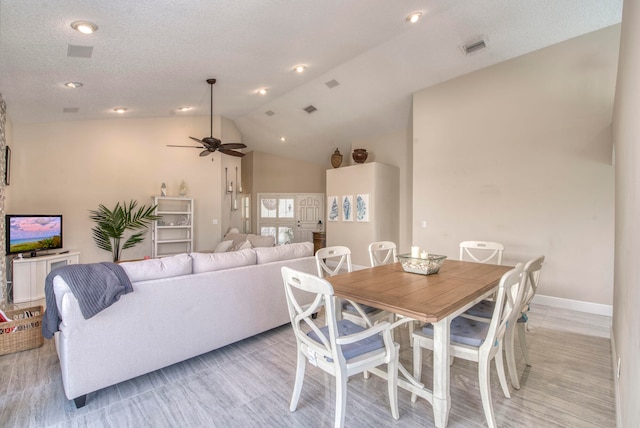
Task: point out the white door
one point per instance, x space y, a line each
309 211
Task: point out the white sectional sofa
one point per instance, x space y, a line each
181 306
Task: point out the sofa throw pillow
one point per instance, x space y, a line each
284 252
235 237
240 245
223 247
208 262
261 241
164 267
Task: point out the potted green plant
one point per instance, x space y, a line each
111 226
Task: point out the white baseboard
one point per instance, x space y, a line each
575 305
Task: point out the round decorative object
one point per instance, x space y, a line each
360 155
336 159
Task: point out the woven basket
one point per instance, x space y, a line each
22 333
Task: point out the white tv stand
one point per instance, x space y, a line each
29 273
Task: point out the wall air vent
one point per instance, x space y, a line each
76 51
332 83
269 113
70 109
310 109
473 47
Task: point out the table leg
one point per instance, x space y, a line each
441 372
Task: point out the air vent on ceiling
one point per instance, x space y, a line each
332 83
474 47
70 109
269 112
79 51
310 109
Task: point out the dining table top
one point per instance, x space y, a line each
426 298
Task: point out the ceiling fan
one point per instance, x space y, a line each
211 144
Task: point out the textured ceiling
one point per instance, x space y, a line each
153 56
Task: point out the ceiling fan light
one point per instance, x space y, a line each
185 108
85 27
120 110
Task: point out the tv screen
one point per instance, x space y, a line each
31 233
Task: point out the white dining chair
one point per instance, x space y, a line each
382 253
478 341
483 311
332 261
482 251
341 348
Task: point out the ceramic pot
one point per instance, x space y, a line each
360 155
336 159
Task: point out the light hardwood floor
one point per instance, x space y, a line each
249 384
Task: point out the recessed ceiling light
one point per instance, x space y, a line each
185 108
283 139
120 110
85 27
414 17
299 68
262 91
73 85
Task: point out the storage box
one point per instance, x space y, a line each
23 332
426 266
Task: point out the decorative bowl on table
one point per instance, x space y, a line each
424 266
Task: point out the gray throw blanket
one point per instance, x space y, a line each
96 286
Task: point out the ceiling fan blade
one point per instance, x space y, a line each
195 147
205 152
233 146
195 139
231 152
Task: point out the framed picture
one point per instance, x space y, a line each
7 165
347 208
362 207
333 211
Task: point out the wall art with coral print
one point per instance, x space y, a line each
333 210
362 207
347 208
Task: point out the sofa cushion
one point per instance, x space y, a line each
240 245
284 252
235 237
261 241
164 267
208 262
223 247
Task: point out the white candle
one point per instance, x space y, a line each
415 251
424 255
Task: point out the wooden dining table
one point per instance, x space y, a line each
436 298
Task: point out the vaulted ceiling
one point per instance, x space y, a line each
154 56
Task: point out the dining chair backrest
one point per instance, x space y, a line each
507 304
482 251
532 280
382 253
331 260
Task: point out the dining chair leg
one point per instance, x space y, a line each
392 381
341 399
484 377
417 365
523 341
511 358
501 374
297 388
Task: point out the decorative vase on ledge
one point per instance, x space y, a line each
336 159
360 155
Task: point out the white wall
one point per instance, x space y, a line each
520 153
626 127
72 167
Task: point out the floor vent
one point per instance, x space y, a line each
310 109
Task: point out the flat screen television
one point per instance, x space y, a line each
32 233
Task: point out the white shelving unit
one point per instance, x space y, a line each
173 233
